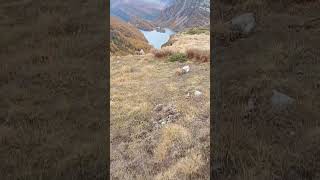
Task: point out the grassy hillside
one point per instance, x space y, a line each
159 127
126 38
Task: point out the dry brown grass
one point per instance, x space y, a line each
171 135
198 55
138 151
162 53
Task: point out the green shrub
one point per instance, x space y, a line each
178 57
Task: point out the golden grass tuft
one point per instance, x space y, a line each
171 135
184 168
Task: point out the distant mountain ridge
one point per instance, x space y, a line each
183 14
127 9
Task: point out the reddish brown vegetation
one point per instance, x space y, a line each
199 55
161 53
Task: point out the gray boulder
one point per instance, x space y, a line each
244 23
279 99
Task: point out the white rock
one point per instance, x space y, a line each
197 93
163 123
186 68
142 52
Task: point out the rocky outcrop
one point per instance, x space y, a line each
185 14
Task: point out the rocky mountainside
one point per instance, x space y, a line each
126 38
185 14
142 24
126 10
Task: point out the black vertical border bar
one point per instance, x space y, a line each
211 89
107 135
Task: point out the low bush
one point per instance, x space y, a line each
178 57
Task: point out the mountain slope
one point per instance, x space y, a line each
142 24
125 38
125 9
185 13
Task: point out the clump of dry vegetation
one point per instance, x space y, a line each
198 55
162 53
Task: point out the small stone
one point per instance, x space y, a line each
197 93
280 99
186 68
163 123
158 107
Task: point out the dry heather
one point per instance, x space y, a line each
152 141
267 142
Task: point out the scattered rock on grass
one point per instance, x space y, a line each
158 107
183 70
197 93
163 115
244 23
186 68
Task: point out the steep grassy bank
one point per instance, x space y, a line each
126 38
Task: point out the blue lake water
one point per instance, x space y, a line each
157 39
